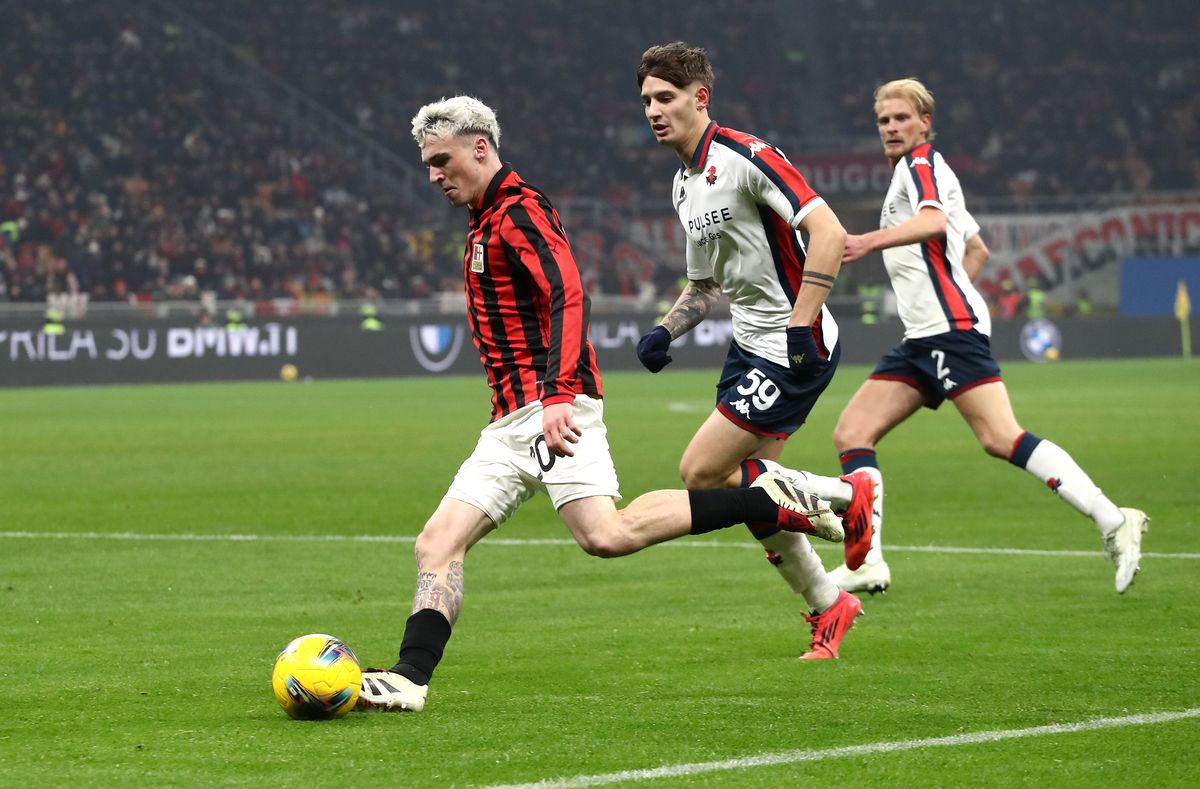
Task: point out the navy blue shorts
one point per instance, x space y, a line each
942 366
762 397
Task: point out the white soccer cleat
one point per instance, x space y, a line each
386 691
870 578
799 511
1124 546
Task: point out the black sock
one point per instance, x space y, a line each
425 635
719 509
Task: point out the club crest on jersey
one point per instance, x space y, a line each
477 259
711 176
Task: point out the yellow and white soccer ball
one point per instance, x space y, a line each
289 372
316 677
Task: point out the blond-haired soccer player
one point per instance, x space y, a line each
528 314
743 206
932 250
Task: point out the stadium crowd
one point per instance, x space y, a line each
130 172
1042 99
131 168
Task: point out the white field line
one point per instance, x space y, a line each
393 538
868 749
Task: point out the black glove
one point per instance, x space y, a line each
652 348
803 356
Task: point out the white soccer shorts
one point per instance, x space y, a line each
511 463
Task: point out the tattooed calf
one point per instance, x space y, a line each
444 597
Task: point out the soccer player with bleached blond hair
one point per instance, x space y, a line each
528 314
932 250
456 117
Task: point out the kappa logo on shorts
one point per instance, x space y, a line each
436 346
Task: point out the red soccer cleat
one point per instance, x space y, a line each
856 520
829 626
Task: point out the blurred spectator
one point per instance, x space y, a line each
1008 303
54 322
1083 304
370 318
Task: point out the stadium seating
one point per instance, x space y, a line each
133 168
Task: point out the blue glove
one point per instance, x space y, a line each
652 348
803 356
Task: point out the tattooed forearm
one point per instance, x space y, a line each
818 279
692 306
443 594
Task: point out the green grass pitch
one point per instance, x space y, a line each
145 659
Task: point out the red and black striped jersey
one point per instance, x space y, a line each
526 304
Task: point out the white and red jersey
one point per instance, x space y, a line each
934 295
740 201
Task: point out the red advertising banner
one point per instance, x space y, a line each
1093 240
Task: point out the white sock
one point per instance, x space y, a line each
800 566
832 489
875 555
1051 464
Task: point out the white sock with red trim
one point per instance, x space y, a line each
1053 465
801 568
790 553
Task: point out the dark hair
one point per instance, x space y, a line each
677 63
